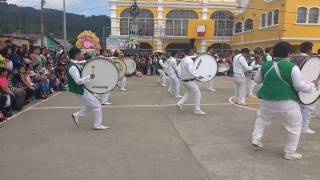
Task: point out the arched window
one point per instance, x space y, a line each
276 16
238 27
177 22
248 25
269 19
220 47
313 15
224 21
302 15
263 20
144 19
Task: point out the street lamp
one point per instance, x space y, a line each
134 27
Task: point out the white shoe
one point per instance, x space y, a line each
123 89
307 131
212 90
179 106
163 85
106 103
293 156
257 143
179 96
101 127
75 119
199 112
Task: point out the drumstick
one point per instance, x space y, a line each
199 64
93 69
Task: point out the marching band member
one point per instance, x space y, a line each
188 78
267 55
174 88
76 86
122 82
306 110
281 81
240 67
255 59
159 66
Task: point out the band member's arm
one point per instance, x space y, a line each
244 64
299 83
163 65
258 77
76 76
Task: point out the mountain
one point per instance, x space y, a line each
27 20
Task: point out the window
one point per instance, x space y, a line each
177 22
302 15
313 15
144 19
238 27
248 25
269 19
263 20
276 17
224 21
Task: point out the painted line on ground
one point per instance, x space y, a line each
241 106
130 106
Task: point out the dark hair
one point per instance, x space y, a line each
282 49
2 70
245 51
268 49
173 53
188 48
306 46
5 52
73 52
103 50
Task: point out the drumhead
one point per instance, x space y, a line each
106 75
206 66
122 68
131 66
310 70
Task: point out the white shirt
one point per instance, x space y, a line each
187 69
240 65
298 82
162 64
75 74
172 66
268 58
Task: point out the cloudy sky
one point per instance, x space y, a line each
84 7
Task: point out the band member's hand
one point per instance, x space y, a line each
316 82
92 76
200 77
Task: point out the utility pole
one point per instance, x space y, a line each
64 29
43 2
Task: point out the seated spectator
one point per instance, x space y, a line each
54 83
20 81
19 93
36 81
7 98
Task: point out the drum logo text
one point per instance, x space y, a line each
100 87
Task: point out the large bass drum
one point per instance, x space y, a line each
106 75
122 67
131 66
310 69
206 66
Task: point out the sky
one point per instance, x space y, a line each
83 7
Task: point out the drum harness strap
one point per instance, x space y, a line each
276 68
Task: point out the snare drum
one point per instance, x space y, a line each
131 66
106 75
310 70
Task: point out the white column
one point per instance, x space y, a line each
203 42
160 27
115 23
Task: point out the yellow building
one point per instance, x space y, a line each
262 23
163 24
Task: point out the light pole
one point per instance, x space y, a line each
134 27
64 29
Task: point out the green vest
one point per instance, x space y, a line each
273 88
158 66
72 85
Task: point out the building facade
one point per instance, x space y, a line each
163 24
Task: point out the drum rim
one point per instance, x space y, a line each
112 64
300 67
121 77
134 62
216 69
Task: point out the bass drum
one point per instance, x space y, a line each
131 66
206 66
122 67
310 70
106 75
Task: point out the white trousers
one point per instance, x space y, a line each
91 104
251 85
174 87
104 97
240 92
306 111
192 87
122 83
163 77
289 111
210 84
